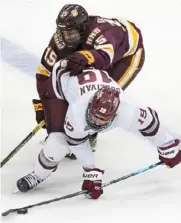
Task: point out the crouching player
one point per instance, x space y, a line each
96 104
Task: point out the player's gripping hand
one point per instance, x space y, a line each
93 183
77 62
170 154
39 112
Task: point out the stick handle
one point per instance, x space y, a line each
133 174
22 143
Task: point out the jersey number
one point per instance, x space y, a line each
90 76
143 116
50 57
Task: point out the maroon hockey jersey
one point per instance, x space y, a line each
106 41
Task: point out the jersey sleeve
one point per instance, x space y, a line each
48 59
145 122
112 40
104 48
77 140
75 124
44 69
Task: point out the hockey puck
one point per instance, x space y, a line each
22 211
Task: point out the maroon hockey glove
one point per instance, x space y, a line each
78 61
93 182
39 111
170 154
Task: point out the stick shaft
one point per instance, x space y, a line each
22 143
133 174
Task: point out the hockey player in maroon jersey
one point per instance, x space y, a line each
86 41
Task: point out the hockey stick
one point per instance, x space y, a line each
22 143
24 210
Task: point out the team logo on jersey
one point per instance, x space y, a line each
74 12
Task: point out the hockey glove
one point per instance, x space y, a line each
78 61
39 111
93 183
171 154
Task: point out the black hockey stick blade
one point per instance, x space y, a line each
18 210
8 212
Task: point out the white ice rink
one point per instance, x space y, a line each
154 196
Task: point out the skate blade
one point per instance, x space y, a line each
15 191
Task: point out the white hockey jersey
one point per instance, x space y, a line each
78 91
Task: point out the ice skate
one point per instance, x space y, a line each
28 182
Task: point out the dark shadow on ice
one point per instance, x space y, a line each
18 57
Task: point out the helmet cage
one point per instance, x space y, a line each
96 122
68 36
103 107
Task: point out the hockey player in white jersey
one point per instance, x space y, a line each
96 104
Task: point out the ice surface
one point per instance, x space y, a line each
154 196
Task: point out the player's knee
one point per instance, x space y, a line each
54 149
